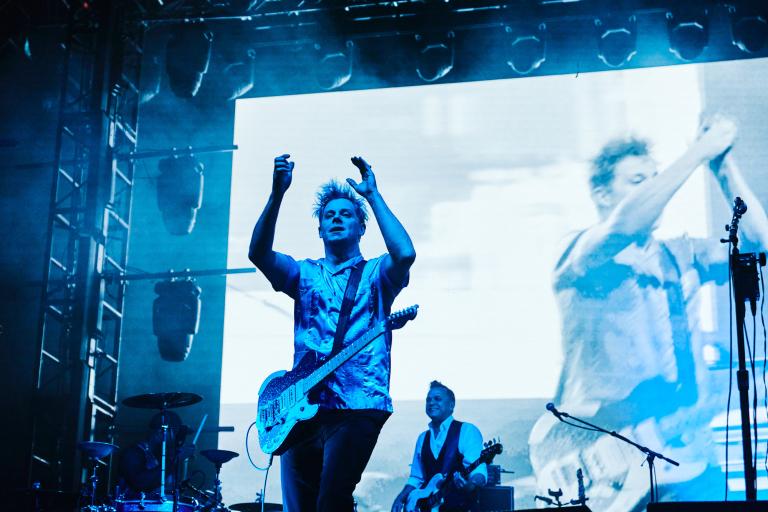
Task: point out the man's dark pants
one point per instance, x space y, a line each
320 472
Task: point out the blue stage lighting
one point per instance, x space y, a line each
334 67
616 40
435 58
527 50
688 33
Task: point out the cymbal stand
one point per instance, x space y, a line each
217 498
164 427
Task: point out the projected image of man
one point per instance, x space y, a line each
320 470
625 300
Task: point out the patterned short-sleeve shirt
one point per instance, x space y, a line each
317 288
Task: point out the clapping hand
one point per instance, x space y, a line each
282 174
716 136
367 186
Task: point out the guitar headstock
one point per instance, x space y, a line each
399 318
491 450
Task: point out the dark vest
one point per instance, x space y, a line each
449 460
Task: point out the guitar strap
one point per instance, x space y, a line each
346 306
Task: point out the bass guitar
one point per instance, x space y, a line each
430 497
284 395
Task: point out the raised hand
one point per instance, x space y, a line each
282 174
367 186
716 137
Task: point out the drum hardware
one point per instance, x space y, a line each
218 458
94 451
163 401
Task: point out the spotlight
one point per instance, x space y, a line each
435 58
334 67
688 33
527 51
180 192
176 317
234 81
188 55
749 31
616 40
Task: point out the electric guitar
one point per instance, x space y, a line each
430 497
284 395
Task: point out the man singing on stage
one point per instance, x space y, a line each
322 467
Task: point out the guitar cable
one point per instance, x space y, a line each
259 468
765 354
248 451
730 360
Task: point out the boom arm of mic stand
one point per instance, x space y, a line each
650 455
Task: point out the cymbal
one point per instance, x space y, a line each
256 507
162 400
95 449
219 457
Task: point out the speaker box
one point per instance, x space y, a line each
709 506
496 498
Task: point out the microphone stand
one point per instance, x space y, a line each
650 455
746 288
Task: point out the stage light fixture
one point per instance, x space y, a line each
527 50
616 40
239 78
688 33
749 31
435 57
176 317
334 66
188 56
180 192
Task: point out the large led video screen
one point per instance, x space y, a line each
538 280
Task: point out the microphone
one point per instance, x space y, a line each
551 408
739 206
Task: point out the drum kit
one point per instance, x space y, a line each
176 497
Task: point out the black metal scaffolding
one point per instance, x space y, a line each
81 310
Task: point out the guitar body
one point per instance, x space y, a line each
431 496
284 395
282 404
418 497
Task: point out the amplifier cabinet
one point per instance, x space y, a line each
496 498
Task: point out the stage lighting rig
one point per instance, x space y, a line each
180 192
749 28
688 31
176 317
435 56
334 65
527 50
616 40
187 58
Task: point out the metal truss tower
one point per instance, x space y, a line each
80 321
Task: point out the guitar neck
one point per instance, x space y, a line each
467 470
343 356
